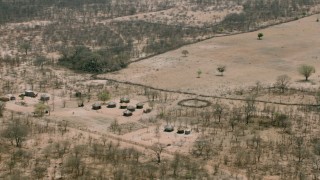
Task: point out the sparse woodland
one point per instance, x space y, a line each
253 133
65 25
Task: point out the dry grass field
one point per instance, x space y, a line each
283 48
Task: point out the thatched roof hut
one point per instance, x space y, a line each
30 93
168 128
180 131
123 106
124 100
44 97
4 99
148 110
139 105
131 108
187 131
96 106
111 104
127 113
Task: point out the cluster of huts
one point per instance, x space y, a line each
30 93
27 93
128 109
170 128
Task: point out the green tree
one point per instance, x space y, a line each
40 108
185 53
104 96
306 70
199 72
260 35
26 47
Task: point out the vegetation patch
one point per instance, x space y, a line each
83 59
121 129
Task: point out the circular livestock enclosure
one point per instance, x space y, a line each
194 103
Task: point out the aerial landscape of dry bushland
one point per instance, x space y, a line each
159 89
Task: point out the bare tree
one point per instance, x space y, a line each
282 82
158 148
218 110
16 132
2 107
249 108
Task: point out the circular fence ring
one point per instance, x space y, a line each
194 103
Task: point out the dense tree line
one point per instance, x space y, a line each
103 60
259 11
22 10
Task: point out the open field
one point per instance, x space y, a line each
248 60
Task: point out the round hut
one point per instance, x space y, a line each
44 97
123 106
4 99
168 128
29 93
96 106
139 106
111 104
131 108
180 131
127 113
187 131
148 110
124 100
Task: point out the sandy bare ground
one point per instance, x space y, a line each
283 48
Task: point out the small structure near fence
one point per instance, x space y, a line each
168 128
96 106
187 131
180 131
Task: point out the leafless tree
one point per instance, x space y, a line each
157 149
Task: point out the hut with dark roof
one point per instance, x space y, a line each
168 128
123 106
44 97
180 131
29 93
187 131
96 106
127 113
124 100
111 104
139 105
131 108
